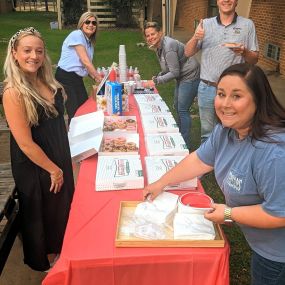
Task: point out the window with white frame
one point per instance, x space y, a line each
272 51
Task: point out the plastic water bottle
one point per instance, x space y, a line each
131 74
112 75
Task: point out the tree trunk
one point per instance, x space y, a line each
46 5
149 15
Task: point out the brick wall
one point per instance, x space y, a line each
269 19
188 11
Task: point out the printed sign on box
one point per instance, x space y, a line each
113 93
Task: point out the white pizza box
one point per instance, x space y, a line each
157 166
144 90
86 126
153 108
116 124
159 124
120 144
148 98
119 173
86 147
165 144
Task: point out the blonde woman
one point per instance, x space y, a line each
76 62
34 107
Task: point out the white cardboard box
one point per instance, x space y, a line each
113 93
86 147
148 98
120 144
159 124
117 124
153 108
165 144
85 135
157 166
86 126
119 173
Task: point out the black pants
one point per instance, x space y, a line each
75 90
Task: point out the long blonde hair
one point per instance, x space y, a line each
15 78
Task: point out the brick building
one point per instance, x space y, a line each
268 16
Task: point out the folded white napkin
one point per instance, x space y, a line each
160 211
192 227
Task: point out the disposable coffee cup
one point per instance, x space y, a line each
122 49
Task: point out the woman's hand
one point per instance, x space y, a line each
217 214
56 180
151 191
97 77
154 80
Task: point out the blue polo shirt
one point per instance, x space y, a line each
69 59
249 174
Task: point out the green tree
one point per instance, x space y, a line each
72 10
124 12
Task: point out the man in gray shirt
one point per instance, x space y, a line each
224 40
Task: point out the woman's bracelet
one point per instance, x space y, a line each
57 175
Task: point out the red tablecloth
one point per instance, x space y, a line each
89 255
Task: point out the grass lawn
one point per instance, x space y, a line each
106 52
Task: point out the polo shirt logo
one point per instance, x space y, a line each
233 181
237 30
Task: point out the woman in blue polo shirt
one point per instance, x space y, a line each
246 150
76 62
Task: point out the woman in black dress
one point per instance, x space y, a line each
41 164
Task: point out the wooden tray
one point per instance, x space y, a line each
127 209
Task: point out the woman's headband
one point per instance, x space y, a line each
29 31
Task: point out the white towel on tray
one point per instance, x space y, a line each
192 227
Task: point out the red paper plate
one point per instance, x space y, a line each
196 200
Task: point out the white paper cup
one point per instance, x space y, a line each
122 49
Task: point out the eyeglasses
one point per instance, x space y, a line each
88 22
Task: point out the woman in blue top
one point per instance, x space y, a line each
247 152
76 62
